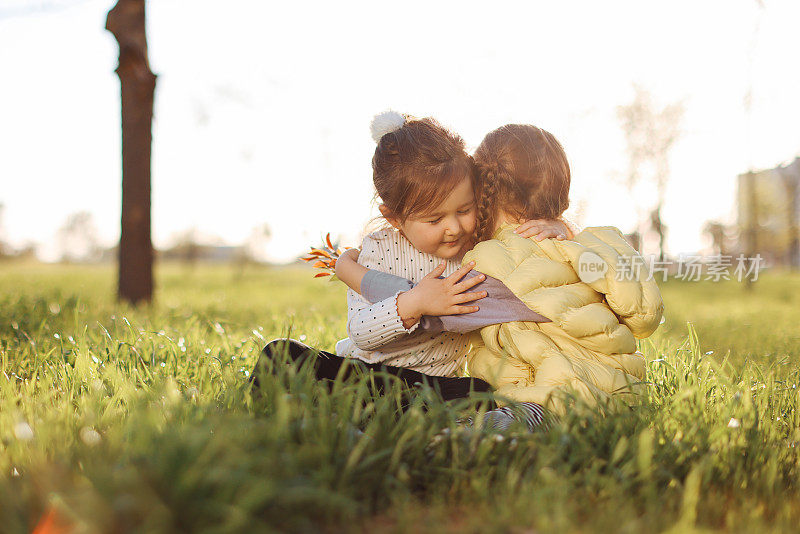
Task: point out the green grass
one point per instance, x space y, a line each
761 325
140 420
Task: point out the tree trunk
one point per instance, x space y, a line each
126 21
658 226
752 225
791 182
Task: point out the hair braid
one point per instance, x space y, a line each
488 186
524 173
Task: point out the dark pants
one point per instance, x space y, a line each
327 366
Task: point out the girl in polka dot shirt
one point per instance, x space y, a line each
424 178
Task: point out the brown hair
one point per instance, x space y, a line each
522 170
417 166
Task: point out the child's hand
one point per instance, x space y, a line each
435 296
543 229
348 256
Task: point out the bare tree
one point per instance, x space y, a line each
717 232
186 247
650 134
256 242
251 251
77 238
752 222
126 21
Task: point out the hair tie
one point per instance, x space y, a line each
386 122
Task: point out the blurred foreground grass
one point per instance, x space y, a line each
140 420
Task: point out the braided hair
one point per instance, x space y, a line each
523 171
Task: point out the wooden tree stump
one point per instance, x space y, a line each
126 21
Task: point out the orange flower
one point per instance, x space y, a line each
53 523
324 257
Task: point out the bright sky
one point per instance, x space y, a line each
262 109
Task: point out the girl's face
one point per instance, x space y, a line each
446 230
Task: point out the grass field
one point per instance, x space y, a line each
140 420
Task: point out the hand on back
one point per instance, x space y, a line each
540 229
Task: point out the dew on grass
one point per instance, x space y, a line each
14 472
23 431
90 436
709 352
302 337
56 336
95 359
54 308
733 423
163 364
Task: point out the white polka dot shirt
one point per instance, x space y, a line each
376 331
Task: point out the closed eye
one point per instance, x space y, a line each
435 221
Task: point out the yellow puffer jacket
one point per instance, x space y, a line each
590 347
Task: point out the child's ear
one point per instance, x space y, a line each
389 216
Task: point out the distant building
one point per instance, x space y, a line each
768 213
194 252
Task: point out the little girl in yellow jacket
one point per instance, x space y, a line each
589 347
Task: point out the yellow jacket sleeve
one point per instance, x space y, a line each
626 283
